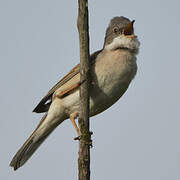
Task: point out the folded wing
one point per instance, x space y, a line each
44 104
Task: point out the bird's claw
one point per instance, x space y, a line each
89 143
77 138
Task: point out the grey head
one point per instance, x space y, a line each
120 35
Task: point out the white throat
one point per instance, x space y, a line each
123 42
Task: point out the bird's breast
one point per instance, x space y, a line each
114 70
112 75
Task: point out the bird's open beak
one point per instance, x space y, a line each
128 31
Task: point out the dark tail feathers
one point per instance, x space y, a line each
30 146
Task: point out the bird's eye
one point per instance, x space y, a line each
115 30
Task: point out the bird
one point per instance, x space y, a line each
112 69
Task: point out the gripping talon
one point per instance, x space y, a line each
77 138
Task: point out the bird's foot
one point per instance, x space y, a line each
85 138
77 138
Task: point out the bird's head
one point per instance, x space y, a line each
120 35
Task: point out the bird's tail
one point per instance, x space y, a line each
32 143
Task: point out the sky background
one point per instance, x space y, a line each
135 139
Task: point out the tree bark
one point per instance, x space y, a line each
85 139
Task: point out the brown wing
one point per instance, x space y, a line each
44 104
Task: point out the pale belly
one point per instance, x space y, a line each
110 82
102 99
102 96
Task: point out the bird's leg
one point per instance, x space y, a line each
73 116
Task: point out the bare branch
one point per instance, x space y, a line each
85 139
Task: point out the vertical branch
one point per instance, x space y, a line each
85 139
